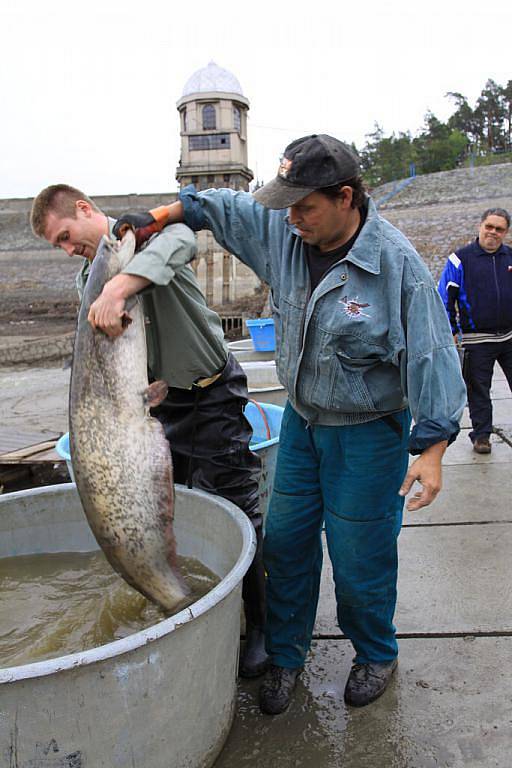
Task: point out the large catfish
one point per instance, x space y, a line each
120 456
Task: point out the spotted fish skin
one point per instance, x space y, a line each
120 455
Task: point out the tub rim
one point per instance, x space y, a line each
156 631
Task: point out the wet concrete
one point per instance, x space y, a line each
34 399
450 703
450 581
448 706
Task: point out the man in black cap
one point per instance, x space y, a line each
362 339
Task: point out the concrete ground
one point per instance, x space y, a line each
450 703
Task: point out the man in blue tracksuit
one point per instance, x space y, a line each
361 336
476 287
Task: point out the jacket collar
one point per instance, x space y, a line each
365 252
481 252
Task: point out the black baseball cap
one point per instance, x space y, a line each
309 163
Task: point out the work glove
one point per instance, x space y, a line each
144 225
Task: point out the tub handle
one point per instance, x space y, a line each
263 416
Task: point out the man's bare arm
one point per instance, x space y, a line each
108 311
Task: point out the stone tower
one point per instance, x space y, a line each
213 115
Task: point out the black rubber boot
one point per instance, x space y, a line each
367 682
277 688
254 660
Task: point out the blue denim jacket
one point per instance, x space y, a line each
371 339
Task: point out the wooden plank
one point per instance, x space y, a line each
13 439
29 452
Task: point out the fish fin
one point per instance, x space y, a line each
155 393
126 320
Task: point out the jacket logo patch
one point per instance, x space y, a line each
353 308
284 167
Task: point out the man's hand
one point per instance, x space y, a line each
427 471
144 225
108 313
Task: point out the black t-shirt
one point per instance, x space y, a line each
320 262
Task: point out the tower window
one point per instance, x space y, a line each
184 113
236 119
209 118
209 141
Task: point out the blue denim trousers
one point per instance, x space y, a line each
348 479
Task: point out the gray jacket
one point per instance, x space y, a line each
371 339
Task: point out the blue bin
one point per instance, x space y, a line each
62 448
262 334
264 442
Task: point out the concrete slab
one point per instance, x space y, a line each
505 433
448 706
501 412
500 389
461 451
470 494
34 399
452 579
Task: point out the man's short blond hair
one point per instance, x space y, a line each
59 199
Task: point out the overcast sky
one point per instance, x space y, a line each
89 89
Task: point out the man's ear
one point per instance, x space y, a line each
346 195
84 207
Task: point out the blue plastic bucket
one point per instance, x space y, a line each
265 426
262 334
62 448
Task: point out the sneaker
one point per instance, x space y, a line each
367 682
254 660
277 688
482 445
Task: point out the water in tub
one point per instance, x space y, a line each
55 604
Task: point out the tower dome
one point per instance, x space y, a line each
211 79
213 118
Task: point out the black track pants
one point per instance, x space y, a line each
478 369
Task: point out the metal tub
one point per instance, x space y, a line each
161 698
262 382
243 350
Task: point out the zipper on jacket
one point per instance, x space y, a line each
498 312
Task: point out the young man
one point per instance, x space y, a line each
361 335
202 414
476 287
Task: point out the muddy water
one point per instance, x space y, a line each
52 605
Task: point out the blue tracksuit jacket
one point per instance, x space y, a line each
476 288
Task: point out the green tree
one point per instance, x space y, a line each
438 147
386 158
491 112
464 119
507 103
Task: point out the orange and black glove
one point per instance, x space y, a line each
144 225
